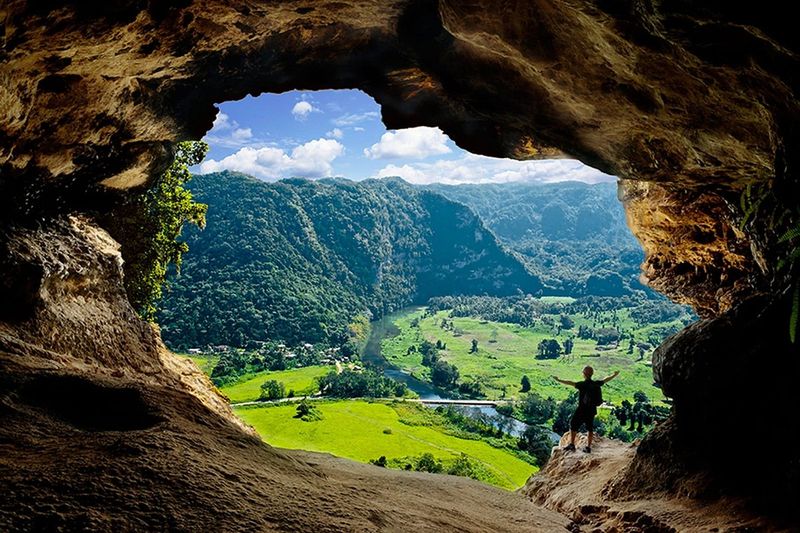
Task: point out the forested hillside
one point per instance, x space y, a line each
572 235
297 260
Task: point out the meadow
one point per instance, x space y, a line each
364 431
303 381
506 352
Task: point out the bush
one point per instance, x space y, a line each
380 461
462 467
307 412
272 390
428 463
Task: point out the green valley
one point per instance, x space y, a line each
400 432
508 351
298 260
351 291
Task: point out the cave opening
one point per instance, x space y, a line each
693 107
309 200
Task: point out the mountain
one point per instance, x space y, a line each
572 235
297 260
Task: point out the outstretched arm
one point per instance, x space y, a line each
564 381
612 376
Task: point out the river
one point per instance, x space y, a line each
371 354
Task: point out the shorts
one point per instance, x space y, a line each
582 416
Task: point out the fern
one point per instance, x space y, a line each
750 207
791 234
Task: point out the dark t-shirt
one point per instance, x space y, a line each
585 394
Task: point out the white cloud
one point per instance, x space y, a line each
310 160
222 122
479 169
415 143
242 134
358 128
227 133
302 109
335 133
354 118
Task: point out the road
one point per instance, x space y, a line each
475 403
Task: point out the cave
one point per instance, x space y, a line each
692 106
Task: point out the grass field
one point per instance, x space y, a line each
363 431
301 380
205 362
506 352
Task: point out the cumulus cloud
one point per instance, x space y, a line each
479 169
310 160
226 132
302 109
352 119
416 143
335 133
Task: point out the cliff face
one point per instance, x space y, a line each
688 104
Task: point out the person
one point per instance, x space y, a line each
589 397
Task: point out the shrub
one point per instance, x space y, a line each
272 390
428 463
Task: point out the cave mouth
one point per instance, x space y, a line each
279 146
691 106
89 406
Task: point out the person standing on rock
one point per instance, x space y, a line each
590 396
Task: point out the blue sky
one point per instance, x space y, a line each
339 133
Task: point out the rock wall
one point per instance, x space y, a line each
687 103
700 97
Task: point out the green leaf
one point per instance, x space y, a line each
792 233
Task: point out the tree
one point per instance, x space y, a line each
493 335
307 412
549 349
148 226
443 374
474 347
564 412
606 336
568 345
567 322
272 390
536 441
525 383
537 410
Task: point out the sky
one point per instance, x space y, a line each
317 134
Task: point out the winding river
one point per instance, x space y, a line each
371 354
